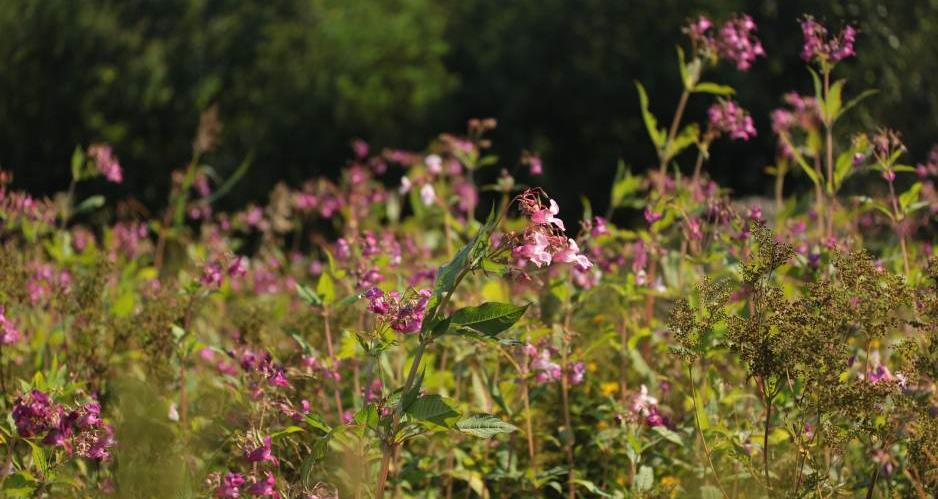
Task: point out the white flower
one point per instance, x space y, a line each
434 163
427 194
406 184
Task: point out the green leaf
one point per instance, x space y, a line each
818 89
489 318
644 479
708 87
326 288
833 102
682 67
484 426
668 435
432 408
39 458
89 204
78 161
856 100
688 136
843 167
658 137
232 180
367 416
624 186
909 197
308 295
286 431
19 485
808 169
410 396
317 423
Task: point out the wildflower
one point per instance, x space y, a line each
546 370
360 148
230 485
737 43
262 453
643 403
652 216
238 267
427 194
535 165
211 275
266 487
571 254
818 47
545 216
106 163
434 164
727 117
576 374
599 227
406 185
8 332
33 413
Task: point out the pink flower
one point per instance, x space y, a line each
8 332
737 43
267 487
434 164
262 454
577 373
571 254
238 267
211 275
727 117
652 216
229 488
360 147
534 250
105 162
546 216
818 47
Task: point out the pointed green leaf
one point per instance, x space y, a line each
484 426
490 318
708 87
657 136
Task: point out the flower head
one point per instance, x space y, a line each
818 47
728 117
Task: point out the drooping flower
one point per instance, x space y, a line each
545 216
262 453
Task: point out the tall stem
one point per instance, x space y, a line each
829 125
331 351
391 444
703 439
672 132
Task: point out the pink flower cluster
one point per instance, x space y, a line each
263 365
105 162
80 431
232 483
735 40
213 273
818 47
728 117
403 313
543 241
546 370
646 407
9 334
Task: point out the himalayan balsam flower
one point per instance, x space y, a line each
738 43
230 486
427 194
262 453
727 117
8 332
106 163
818 47
265 487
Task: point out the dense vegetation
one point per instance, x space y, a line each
391 333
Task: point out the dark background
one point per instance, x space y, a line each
295 80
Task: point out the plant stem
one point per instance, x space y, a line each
331 351
869 491
703 439
672 132
829 139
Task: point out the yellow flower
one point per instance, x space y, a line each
670 482
610 387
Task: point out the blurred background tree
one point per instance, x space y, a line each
296 80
